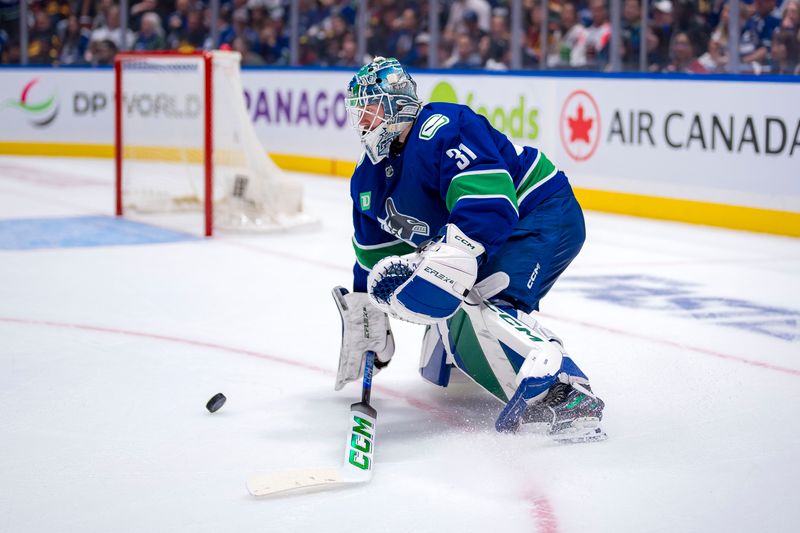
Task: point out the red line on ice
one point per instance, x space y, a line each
541 509
678 345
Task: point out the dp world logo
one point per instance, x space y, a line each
41 110
579 125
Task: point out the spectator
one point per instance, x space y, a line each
790 19
784 57
273 49
139 9
151 34
101 16
755 42
112 31
444 52
422 44
455 18
331 41
532 51
104 52
682 55
688 20
381 26
348 55
465 56
496 46
716 57
225 32
570 49
239 8
472 27
9 22
44 43
631 34
259 17
598 35
241 28
249 58
401 44
4 46
178 21
661 28
192 36
74 42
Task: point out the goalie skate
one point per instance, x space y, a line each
567 415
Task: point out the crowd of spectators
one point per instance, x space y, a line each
679 36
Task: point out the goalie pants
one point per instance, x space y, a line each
540 248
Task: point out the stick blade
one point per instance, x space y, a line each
278 483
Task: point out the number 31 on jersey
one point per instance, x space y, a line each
463 156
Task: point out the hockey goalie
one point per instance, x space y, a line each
460 230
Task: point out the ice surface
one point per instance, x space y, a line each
108 355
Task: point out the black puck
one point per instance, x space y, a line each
216 401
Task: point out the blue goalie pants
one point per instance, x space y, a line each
539 249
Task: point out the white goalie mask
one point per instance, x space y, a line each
382 102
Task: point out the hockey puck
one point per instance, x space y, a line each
216 401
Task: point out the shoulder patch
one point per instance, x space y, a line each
365 200
432 125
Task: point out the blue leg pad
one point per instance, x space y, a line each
437 371
569 366
529 388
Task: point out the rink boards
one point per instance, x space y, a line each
710 150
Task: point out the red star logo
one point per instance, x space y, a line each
579 127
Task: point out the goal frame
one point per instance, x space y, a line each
208 117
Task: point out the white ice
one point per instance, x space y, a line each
108 355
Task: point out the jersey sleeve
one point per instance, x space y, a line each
476 184
371 244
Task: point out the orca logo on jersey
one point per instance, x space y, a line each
403 226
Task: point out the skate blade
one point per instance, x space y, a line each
580 431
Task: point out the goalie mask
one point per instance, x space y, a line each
381 101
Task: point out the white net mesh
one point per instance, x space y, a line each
163 131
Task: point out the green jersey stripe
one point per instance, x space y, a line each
481 183
529 171
541 170
537 185
368 255
486 196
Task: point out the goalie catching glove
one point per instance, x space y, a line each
430 284
364 328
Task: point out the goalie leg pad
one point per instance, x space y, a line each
533 389
510 355
497 351
530 389
434 364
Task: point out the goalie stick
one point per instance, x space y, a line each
358 455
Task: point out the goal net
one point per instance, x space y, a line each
185 145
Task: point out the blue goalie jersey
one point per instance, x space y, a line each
454 168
